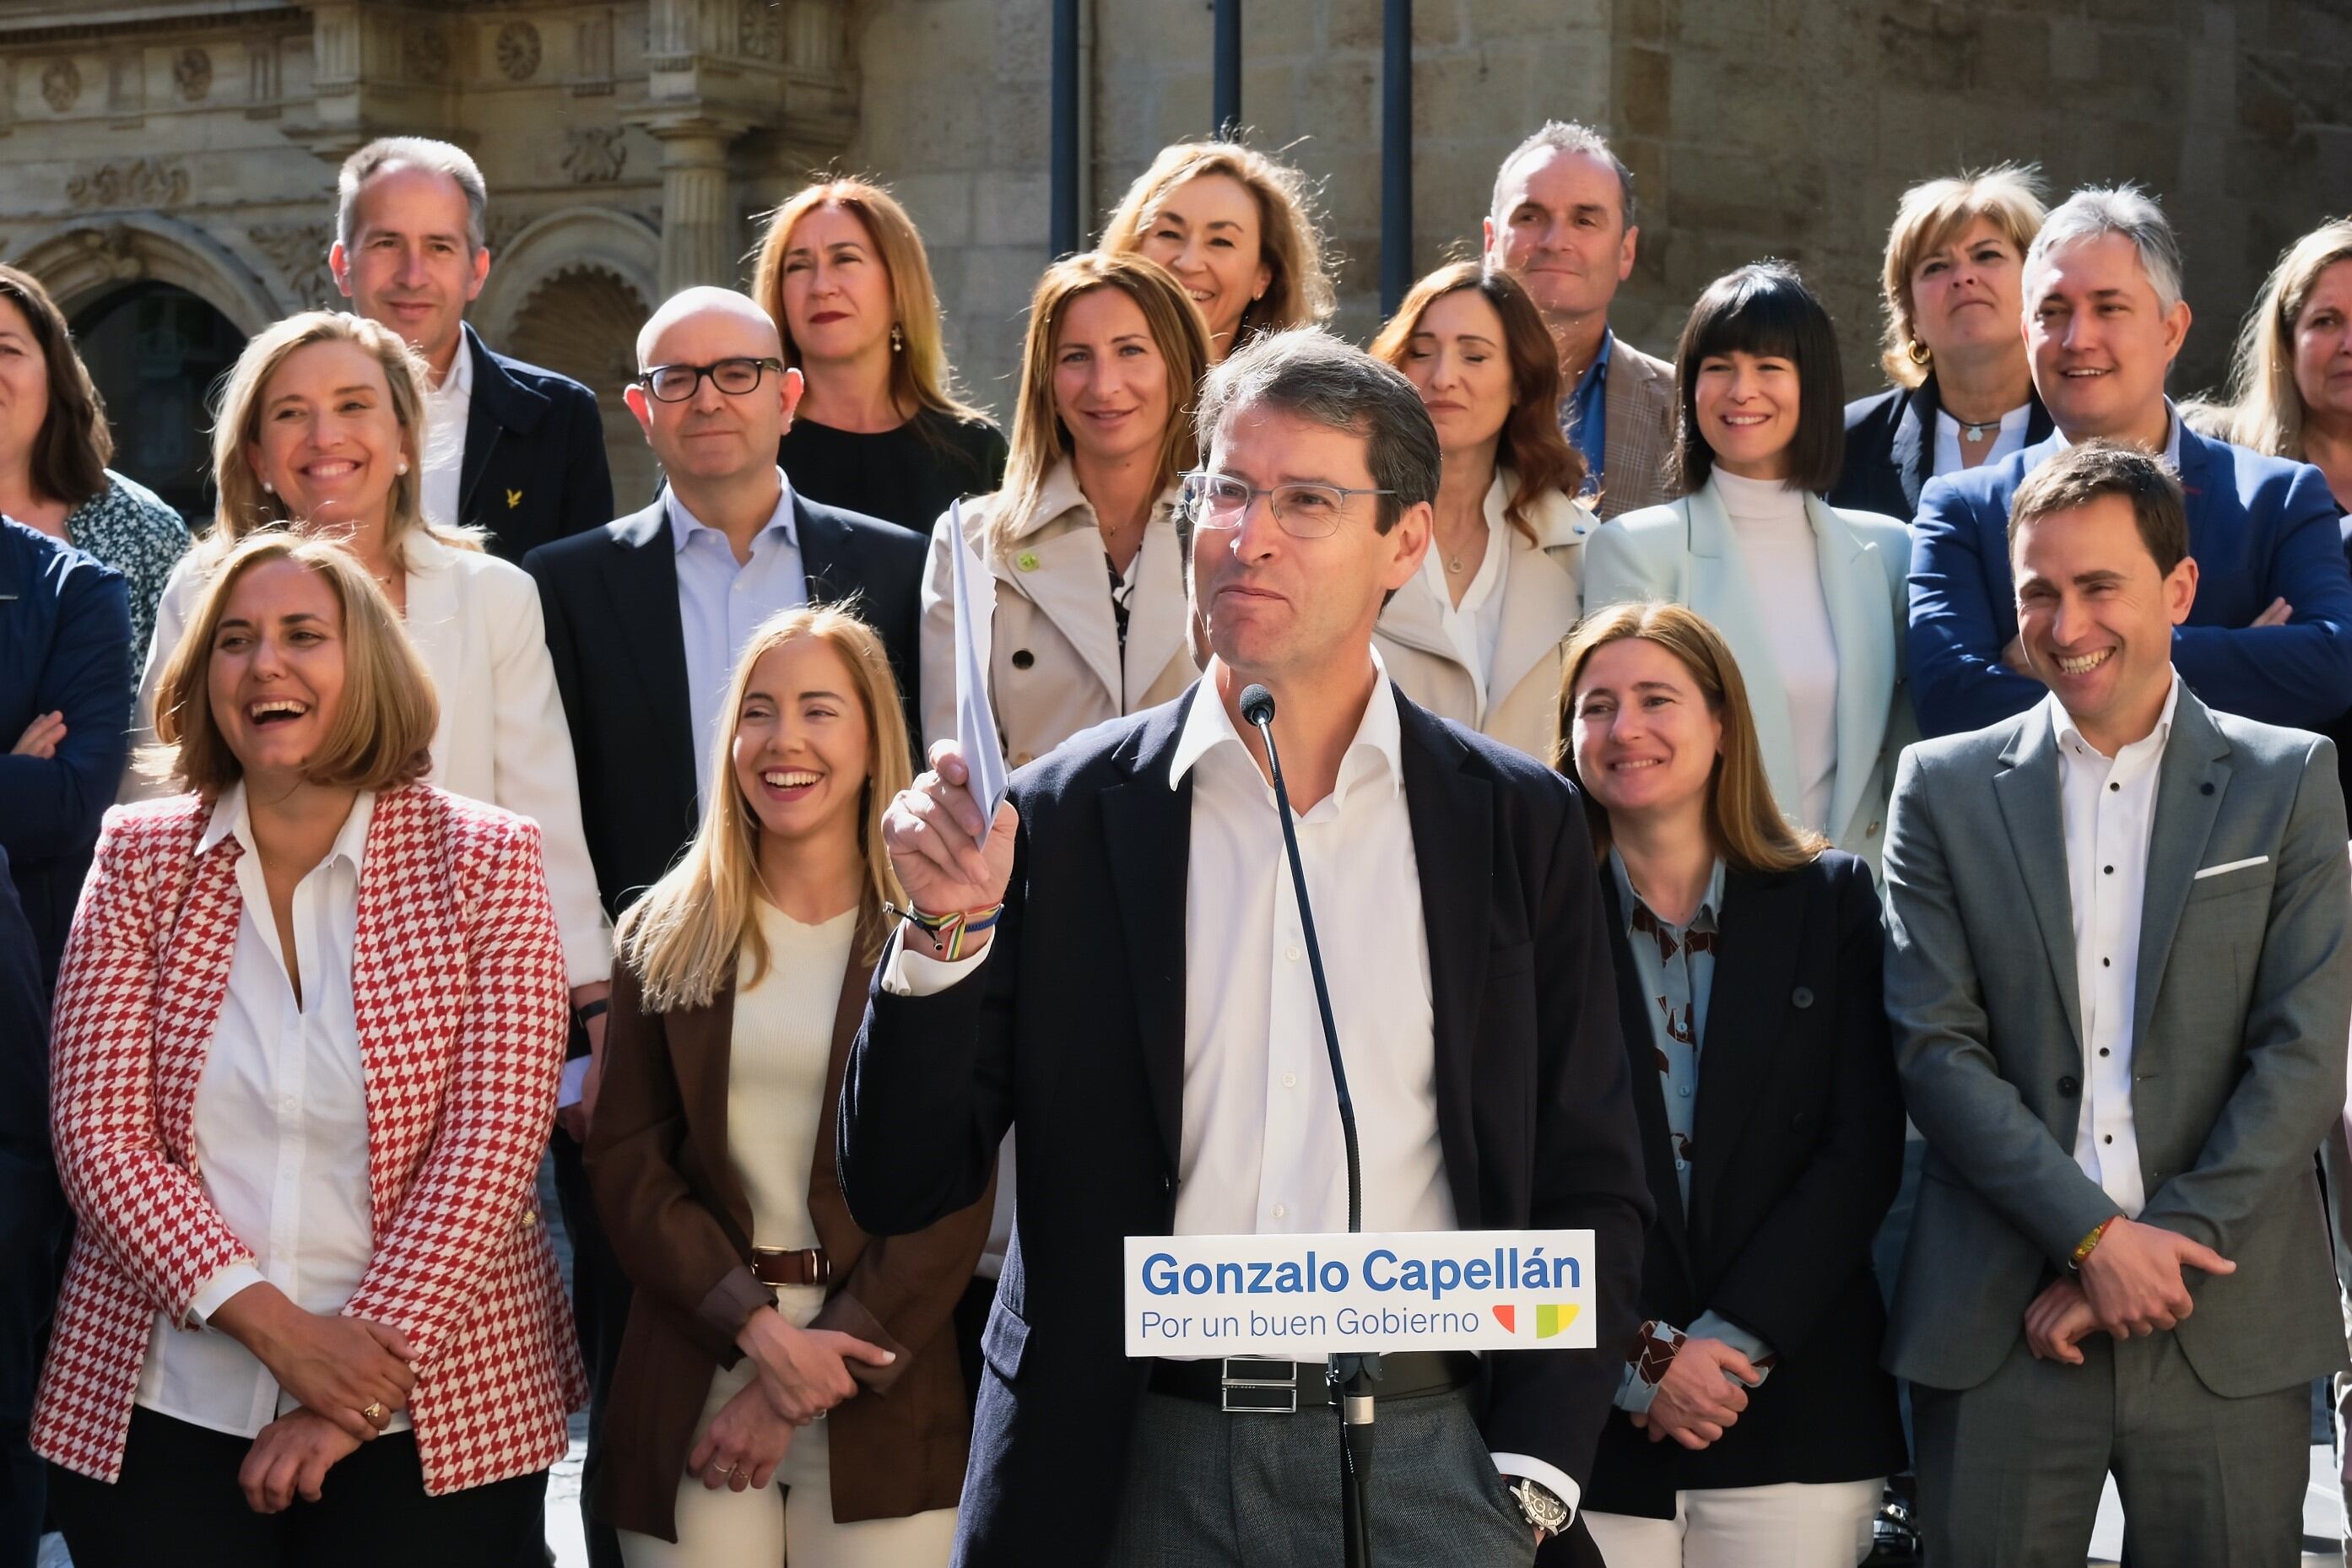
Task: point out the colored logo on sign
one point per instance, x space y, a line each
1552 1318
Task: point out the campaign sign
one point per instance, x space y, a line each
1301 1298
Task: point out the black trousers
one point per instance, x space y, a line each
600 1307
34 1227
178 1503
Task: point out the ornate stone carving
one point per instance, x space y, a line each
135 183
517 51
425 52
192 74
113 252
593 154
61 84
503 225
299 251
760 31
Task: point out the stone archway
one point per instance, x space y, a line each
582 322
156 351
82 261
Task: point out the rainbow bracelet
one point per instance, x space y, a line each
949 931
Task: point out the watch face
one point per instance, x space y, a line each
1543 1510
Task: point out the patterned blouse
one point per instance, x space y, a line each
134 531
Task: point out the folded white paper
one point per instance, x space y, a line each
975 616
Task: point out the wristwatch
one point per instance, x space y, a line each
1542 1506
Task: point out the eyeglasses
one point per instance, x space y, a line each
1302 511
677 383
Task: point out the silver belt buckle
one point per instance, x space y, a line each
1253 1387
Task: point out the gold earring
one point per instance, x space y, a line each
1916 353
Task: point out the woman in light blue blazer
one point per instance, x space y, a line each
1811 598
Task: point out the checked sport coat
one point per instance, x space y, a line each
458 986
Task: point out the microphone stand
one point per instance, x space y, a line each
1350 1374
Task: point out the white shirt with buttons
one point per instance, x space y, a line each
2108 808
281 1130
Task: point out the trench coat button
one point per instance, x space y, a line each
1803 996
2069 1086
1023 658
1027 560
1022 759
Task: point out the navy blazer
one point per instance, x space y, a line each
64 646
1796 1150
1890 448
2259 529
609 601
1073 1031
534 469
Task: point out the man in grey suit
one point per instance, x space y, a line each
2117 977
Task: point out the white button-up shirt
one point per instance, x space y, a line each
2108 808
281 1130
721 602
1262 1150
446 407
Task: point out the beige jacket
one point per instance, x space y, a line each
1541 589
1055 665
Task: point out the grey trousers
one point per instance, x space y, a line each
2011 1472
1208 1489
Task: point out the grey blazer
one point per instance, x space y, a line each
2239 1022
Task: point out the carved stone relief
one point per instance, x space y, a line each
136 182
518 51
192 74
299 251
61 84
593 154
425 53
760 31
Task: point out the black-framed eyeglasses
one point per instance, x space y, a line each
1302 511
677 383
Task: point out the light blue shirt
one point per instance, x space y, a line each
1584 415
721 602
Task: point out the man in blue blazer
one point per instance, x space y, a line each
512 448
1142 1013
2270 636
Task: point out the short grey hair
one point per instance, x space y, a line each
1309 372
1566 136
2127 210
418 153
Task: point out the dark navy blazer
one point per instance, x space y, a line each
2259 527
534 469
64 646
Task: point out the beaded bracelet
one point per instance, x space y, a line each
2090 1243
950 930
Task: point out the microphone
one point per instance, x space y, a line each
1352 1375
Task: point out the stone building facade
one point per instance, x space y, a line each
167 165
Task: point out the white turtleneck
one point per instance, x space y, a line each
1777 540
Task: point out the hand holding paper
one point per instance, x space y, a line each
975 618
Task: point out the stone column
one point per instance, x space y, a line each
699 243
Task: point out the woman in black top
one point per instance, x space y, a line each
880 429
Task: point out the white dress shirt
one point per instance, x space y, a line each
281 1130
2009 437
1474 626
1262 1150
2108 808
446 410
721 602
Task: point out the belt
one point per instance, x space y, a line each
1244 1384
805 1266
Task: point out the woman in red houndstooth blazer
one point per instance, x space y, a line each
308 1036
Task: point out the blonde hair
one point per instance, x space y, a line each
1748 829
1933 213
920 376
381 733
1039 439
2264 410
245 506
1299 292
684 937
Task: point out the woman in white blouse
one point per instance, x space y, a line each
1090 618
319 432
1477 637
1811 599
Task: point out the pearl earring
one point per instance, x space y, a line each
401 466
268 489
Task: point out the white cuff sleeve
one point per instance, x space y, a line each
1543 1475
214 1293
905 973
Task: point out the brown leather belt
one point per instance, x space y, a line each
805 1266
1241 1384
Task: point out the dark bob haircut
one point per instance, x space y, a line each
1765 308
70 454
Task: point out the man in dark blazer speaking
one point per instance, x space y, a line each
1142 1012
